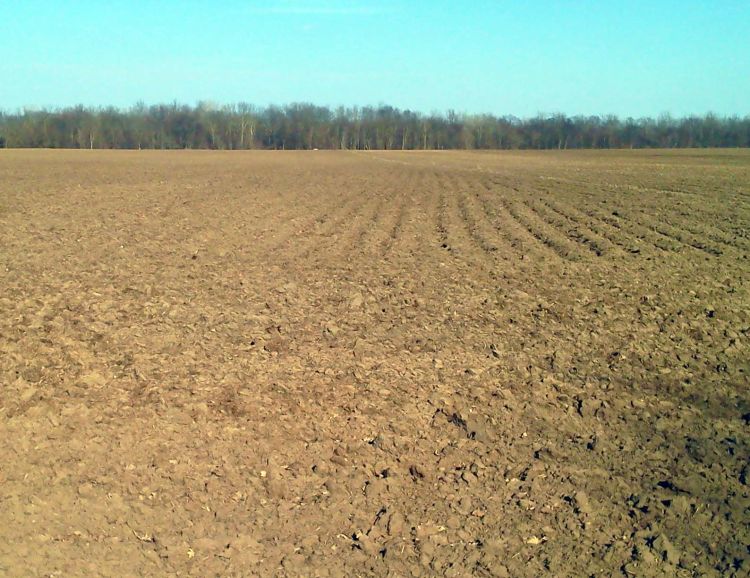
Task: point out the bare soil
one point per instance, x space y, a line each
374 364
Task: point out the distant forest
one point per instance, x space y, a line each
306 126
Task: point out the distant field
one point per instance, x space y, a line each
369 364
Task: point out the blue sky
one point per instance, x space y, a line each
506 57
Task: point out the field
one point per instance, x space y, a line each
374 364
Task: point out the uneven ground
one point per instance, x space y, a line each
374 364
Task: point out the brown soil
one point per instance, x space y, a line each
374 364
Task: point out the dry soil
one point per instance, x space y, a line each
374 364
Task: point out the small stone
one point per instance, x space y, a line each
476 430
396 524
27 394
680 505
356 301
439 539
93 379
309 541
86 490
276 344
31 374
367 545
534 541
453 522
500 571
645 556
583 506
464 506
666 550
332 329
494 546
275 488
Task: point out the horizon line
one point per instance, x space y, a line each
212 105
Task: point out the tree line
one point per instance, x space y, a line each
307 126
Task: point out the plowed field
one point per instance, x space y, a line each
374 364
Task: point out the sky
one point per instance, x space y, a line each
629 58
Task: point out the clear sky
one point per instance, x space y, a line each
639 57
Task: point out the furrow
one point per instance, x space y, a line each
541 231
633 230
566 229
338 237
662 228
603 229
